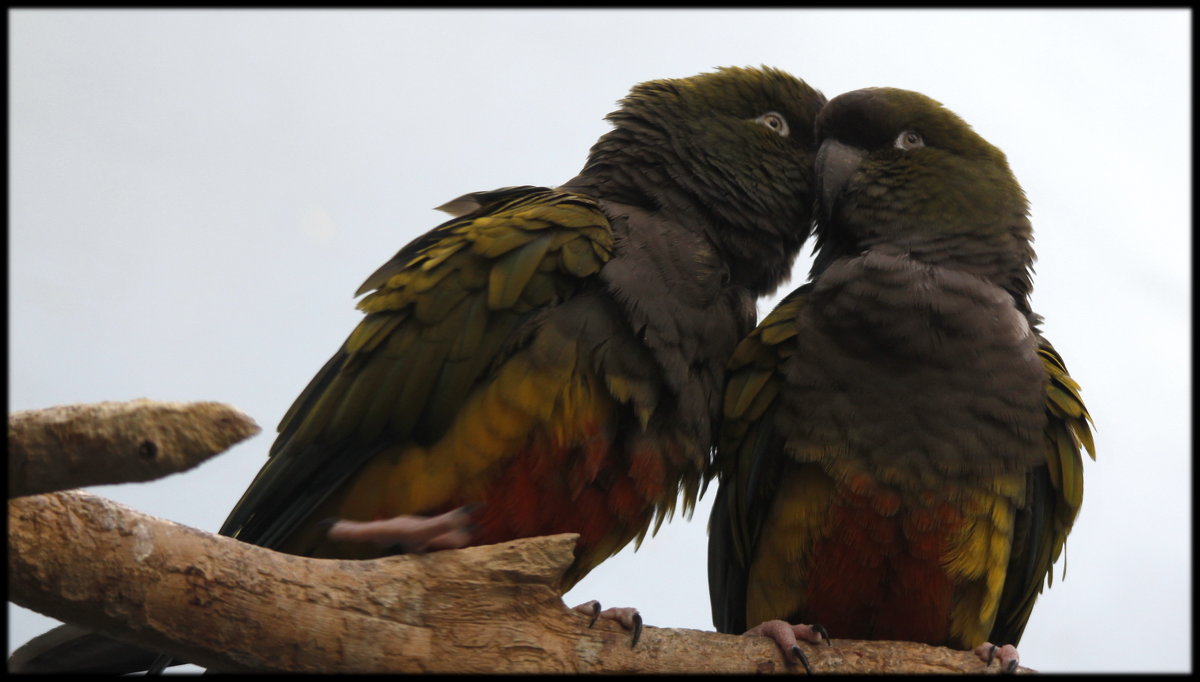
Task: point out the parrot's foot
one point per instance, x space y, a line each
786 636
410 534
1007 655
628 617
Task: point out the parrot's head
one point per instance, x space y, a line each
730 152
897 170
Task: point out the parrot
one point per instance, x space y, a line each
552 359
899 452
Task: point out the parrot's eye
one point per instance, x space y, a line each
909 140
775 122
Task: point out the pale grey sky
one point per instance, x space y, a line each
195 196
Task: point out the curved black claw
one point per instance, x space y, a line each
160 664
629 619
799 653
1009 667
820 630
1005 655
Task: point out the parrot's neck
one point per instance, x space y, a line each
756 250
1000 253
919 310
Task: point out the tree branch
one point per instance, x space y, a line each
231 606
116 442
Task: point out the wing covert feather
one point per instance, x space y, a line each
440 315
748 459
1055 494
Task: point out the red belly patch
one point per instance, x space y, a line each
878 573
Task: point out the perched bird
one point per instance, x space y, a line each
557 356
553 360
899 456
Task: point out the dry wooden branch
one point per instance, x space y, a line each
116 442
232 606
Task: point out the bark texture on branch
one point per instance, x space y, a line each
116 442
235 607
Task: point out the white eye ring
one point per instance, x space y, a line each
775 122
909 140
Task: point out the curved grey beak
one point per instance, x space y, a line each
836 162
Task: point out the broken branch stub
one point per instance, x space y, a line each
71 446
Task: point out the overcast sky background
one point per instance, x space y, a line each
196 195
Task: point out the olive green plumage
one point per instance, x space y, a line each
622 292
556 354
900 453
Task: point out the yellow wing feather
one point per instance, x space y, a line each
439 316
